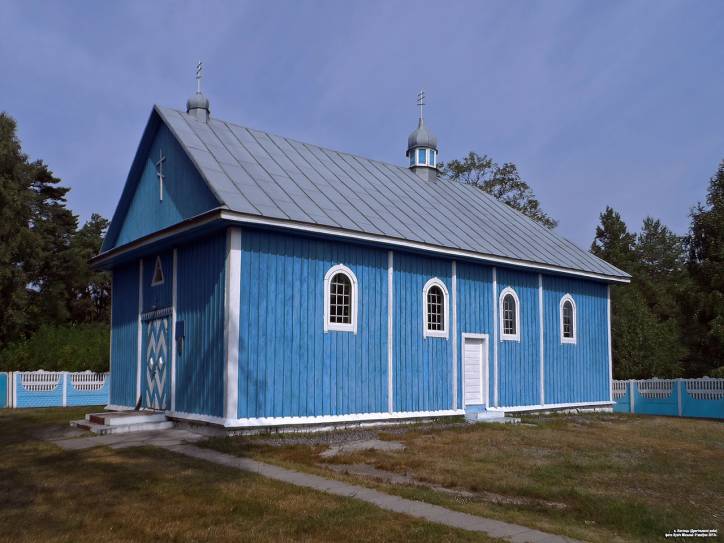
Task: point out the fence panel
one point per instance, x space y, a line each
702 398
621 396
4 390
88 388
39 388
60 389
656 397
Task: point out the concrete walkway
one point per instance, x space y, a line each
432 513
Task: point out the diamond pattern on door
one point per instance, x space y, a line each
156 381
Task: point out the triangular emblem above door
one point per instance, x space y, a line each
157 273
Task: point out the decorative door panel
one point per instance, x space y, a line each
156 376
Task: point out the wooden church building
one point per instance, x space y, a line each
261 281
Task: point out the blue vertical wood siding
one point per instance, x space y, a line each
519 361
475 315
288 365
576 372
158 296
201 268
422 367
185 193
124 336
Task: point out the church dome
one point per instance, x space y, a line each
421 137
197 101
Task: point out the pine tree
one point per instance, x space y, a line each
704 304
503 182
90 289
643 344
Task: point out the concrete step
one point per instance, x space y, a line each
123 418
497 417
104 429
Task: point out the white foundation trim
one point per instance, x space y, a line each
542 344
390 332
322 419
231 329
548 406
495 337
454 336
174 284
140 329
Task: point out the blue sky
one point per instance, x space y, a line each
598 103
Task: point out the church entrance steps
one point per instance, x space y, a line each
122 422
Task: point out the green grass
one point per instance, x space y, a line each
595 477
148 494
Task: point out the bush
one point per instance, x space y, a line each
60 348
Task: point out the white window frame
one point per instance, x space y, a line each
574 321
158 266
340 326
503 335
436 282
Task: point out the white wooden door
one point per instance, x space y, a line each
473 370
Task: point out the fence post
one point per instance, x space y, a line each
678 397
631 400
65 389
15 394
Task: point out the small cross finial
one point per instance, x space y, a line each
199 70
421 101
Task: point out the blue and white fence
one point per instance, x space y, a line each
702 398
54 388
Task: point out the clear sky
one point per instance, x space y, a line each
598 103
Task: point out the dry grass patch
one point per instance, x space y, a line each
149 494
595 477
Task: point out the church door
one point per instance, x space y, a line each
157 362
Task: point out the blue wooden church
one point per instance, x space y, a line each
261 281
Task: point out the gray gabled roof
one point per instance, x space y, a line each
261 174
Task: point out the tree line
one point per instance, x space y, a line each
55 310
669 321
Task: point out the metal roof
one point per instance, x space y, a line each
260 174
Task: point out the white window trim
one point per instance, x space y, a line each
339 326
428 157
503 335
435 282
568 298
157 266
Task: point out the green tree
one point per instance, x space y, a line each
644 344
503 182
704 304
14 234
45 278
90 290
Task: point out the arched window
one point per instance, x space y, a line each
340 300
509 315
435 309
568 319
